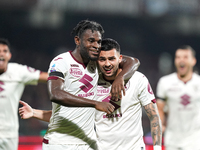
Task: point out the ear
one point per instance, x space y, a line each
77 40
194 61
10 55
120 58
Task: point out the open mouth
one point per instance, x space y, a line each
108 70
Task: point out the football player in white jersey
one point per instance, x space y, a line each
13 78
72 86
178 96
121 129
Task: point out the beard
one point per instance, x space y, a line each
85 54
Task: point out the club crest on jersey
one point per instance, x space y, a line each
76 72
91 67
53 68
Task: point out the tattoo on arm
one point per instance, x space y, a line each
156 131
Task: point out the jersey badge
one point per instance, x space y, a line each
185 100
53 68
91 67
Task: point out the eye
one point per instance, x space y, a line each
102 59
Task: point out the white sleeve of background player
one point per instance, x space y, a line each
29 75
160 90
58 65
145 93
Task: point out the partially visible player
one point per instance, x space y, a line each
13 78
179 97
123 128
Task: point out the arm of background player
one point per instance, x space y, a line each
43 77
161 105
129 65
59 96
156 129
27 112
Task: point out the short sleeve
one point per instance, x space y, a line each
29 75
57 67
145 93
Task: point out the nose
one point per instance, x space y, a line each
97 45
107 63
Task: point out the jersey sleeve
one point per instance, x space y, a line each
57 68
146 94
29 75
160 90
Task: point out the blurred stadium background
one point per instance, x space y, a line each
150 30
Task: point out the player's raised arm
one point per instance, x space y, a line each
129 65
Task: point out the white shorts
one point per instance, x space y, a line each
66 147
8 143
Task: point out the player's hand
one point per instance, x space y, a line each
105 106
26 111
117 89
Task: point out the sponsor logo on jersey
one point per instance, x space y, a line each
86 79
113 115
76 72
53 68
74 65
102 91
86 95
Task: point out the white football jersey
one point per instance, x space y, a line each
123 128
12 83
183 101
73 125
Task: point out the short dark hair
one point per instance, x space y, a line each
5 42
185 47
86 24
108 44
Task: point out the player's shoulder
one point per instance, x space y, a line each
15 65
138 76
196 76
61 56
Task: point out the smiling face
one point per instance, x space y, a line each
89 44
5 56
109 63
184 62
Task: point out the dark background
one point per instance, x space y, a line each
150 30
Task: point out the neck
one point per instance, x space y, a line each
79 58
185 78
2 71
